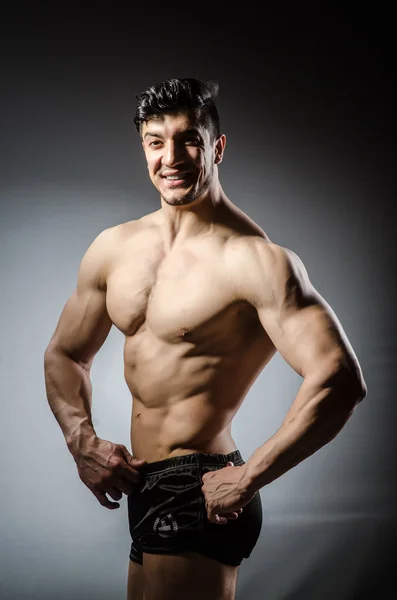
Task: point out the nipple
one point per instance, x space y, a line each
183 331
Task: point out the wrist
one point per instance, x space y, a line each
249 482
81 437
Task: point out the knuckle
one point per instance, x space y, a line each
115 461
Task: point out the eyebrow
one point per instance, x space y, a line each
151 134
186 132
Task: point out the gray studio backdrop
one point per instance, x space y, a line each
73 166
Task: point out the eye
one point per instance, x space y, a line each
155 142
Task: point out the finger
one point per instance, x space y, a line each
126 486
102 499
229 516
119 467
128 470
114 493
132 460
133 466
220 520
116 487
127 454
208 475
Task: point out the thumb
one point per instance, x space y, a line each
131 459
139 461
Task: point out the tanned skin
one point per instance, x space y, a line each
204 299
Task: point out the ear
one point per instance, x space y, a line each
220 145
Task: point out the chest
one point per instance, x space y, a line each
175 295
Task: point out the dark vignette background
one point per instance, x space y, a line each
305 95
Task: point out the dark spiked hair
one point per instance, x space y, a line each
174 95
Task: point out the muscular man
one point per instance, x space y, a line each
204 299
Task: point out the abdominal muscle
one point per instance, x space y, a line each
182 405
181 427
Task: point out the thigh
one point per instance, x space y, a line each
233 542
187 575
135 582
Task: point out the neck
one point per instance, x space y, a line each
197 218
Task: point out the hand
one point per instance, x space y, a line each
226 493
108 468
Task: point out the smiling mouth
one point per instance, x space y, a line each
175 180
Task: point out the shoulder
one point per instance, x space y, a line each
105 248
264 270
97 257
113 238
259 254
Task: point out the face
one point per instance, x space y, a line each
181 156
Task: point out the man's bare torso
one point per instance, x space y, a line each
192 348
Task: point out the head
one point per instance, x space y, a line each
178 123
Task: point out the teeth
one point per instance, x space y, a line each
173 177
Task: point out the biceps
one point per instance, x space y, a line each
83 326
308 338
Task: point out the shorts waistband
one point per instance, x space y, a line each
199 459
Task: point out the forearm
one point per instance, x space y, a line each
69 393
323 411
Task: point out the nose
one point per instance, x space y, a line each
173 154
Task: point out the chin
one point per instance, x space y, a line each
179 200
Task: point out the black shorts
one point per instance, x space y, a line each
167 513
